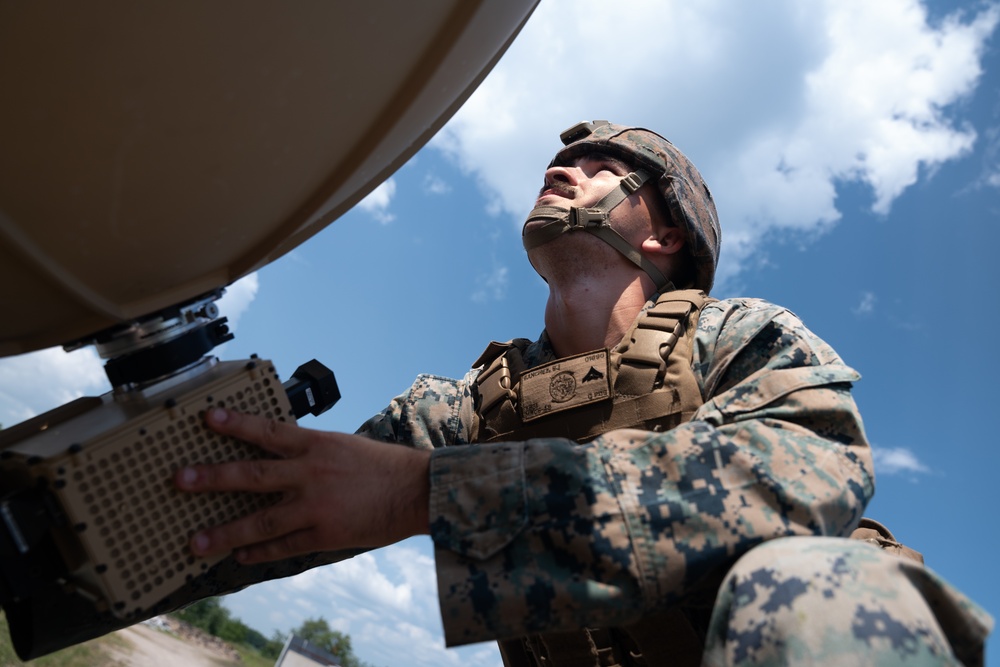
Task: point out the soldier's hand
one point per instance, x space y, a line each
339 491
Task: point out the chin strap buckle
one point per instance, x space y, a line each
634 180
582 218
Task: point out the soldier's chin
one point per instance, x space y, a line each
531 225
567 254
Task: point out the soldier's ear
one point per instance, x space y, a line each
666 241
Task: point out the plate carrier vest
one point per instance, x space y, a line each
645 382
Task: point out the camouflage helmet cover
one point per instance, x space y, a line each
688 198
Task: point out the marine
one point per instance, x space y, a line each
695 507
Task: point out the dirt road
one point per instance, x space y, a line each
150 647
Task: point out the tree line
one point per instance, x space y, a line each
209 615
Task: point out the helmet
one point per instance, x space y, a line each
688 198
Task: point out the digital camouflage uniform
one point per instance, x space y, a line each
540 537
548 535
732 522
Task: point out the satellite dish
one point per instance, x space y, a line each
150 155
154 152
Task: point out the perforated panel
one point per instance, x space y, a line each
119 491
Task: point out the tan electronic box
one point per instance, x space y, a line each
110 463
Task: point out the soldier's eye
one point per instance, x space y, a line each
607 164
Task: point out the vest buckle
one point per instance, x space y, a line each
495 385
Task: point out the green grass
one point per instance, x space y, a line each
252 657
94 653
88 654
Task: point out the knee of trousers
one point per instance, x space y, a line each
831 600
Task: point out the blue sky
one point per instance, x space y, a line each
854 151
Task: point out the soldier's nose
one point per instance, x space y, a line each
559 174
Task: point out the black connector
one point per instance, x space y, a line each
312 389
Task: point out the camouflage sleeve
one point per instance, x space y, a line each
433 412
547 535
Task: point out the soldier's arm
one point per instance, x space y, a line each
434 412
402 421
547 535
340 491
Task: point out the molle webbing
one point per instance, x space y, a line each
659 638
650 377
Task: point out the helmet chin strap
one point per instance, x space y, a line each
595 220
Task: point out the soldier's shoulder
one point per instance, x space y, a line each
743 313
759 333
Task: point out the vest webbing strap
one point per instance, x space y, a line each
654 386
567 649
667 638
644 351
588 422
660 638
514 653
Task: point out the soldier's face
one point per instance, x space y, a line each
582 182
587 179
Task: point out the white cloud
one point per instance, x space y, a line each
436 185
866 305
777 102
491 286
991 159
33 383
897 460
385 600
378 200
238 298
415 568
358 580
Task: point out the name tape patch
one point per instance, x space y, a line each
565 384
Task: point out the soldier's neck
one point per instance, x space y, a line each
585 315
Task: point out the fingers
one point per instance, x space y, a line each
257 476
340 491
281 438
286 546
270 534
